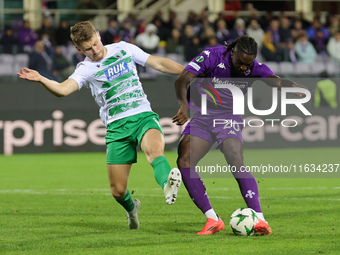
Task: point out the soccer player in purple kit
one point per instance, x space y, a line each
235 61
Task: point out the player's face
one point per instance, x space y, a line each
93 48
242 62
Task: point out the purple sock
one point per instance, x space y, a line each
196 189
249 190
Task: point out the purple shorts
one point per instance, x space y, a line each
215 128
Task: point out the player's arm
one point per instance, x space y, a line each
276 81
164 65
181 85
58 89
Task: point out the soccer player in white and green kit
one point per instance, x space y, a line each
110 72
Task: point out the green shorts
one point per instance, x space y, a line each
125 134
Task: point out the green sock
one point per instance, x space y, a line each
161 170
127 202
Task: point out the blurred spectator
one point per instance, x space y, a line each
61 66
304 49
47 28
334 25
62 33
158 16
320 42
222 32
173 44
49 47
239 29
297 29
142 23
206 34
285 31
77 57
192 20
254 30
172 20
10 43
305 23
316 25
27 36
126 33
87 5
274 29
212 42
253 13
111 34
40 61
191 43
269 50
333 47
231 5
265 20
149 40
292 57
203 20
162 30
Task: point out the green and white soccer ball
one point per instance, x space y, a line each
243 221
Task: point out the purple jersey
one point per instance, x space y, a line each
216 67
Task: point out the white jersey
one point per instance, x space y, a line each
114 81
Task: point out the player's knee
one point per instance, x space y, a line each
118 192
153 153
234 156
183 160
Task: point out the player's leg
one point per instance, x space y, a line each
152 144
232 149
118 178
121 153
190 150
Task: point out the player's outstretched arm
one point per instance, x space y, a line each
164 65
58 89
181 85
276 81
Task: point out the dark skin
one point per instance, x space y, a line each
192 148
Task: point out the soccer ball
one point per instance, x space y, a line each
243 221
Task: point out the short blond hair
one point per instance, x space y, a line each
82 31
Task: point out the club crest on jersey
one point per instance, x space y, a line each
116 71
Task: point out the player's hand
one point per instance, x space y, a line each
181 117
300 94
29 74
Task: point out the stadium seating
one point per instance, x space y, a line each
6 64
20 60
286 69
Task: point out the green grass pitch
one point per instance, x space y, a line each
61 204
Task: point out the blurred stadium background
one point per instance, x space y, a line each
298 39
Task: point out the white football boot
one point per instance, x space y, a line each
172 186
132 216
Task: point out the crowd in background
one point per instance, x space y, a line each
279 38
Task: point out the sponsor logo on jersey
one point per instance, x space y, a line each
117 71
206 52
199 59
239 84
195 66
